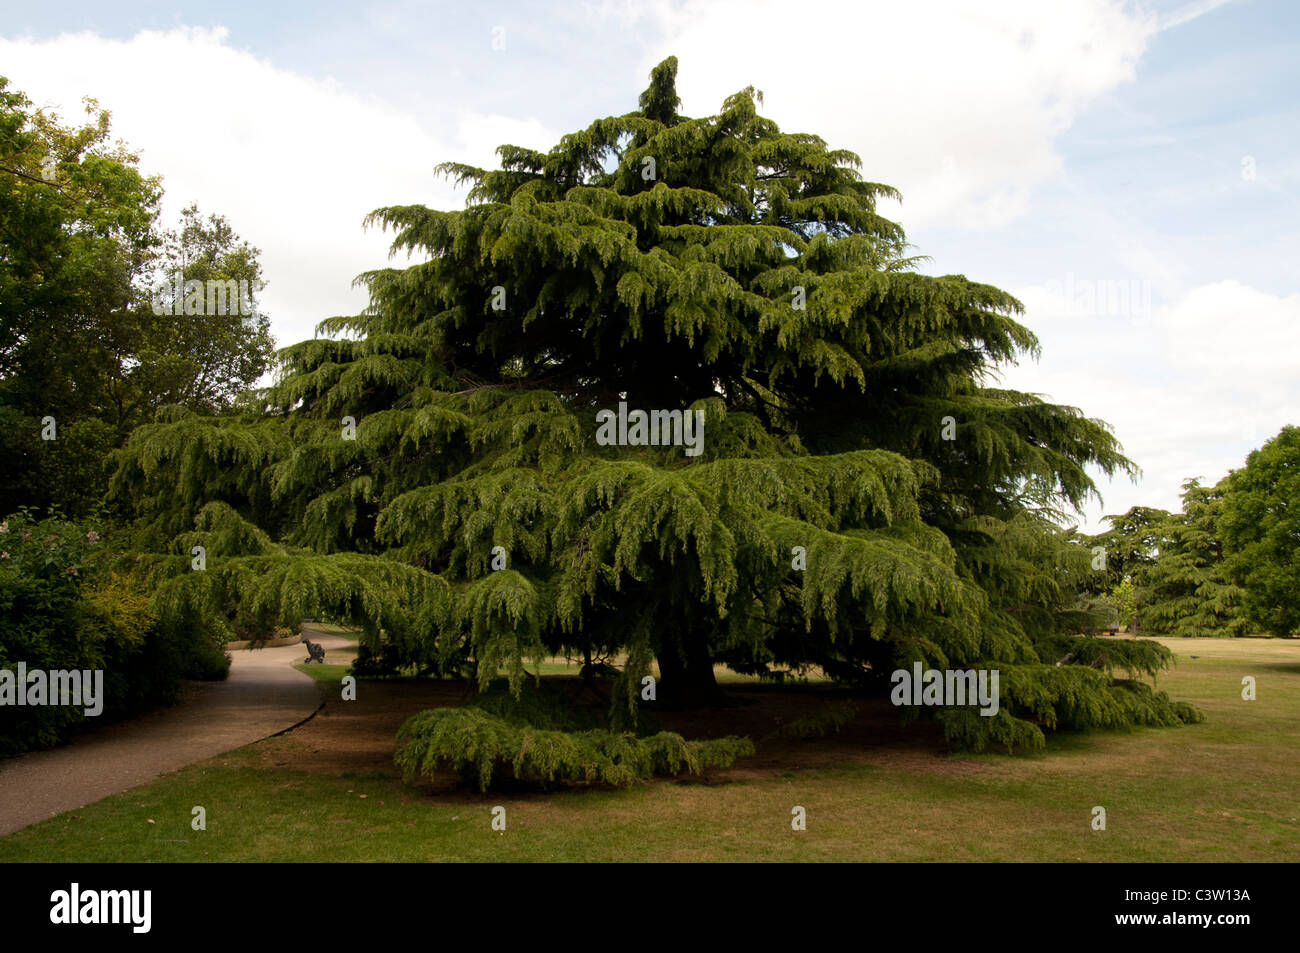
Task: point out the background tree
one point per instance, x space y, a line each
63 606
864 498
1260 526
1131 544
1130 547
1187 591
202 360
76 223
79 340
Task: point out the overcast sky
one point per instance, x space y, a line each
1130 172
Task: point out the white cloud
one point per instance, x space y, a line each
1236 336
294 163
956 104
1190 388
1190 11
961 118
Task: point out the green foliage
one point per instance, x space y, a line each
201 359
1137 656
62 607
81 250
45 621
1124 597
542 704
1187 591
540 739
1131 545
657 260
75 226
829 717
1063 697
1229 562
1260 526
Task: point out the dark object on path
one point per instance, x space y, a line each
315 652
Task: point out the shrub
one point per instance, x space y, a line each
61 608
533 738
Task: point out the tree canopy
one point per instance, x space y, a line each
1227 564
866 495
81 344
1261 529
1185 590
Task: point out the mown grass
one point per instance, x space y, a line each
1222 790
329 628
327 674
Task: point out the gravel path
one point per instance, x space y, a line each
263 695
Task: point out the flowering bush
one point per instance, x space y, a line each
63 608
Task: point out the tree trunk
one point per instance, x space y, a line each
686 678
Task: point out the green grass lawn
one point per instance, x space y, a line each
330 673
1222 790
329 628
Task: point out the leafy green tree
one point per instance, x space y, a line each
80 343
1131 544
1124 597
1127 549
202 349
1260 525
1187 591
63 606
76 223
436 468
